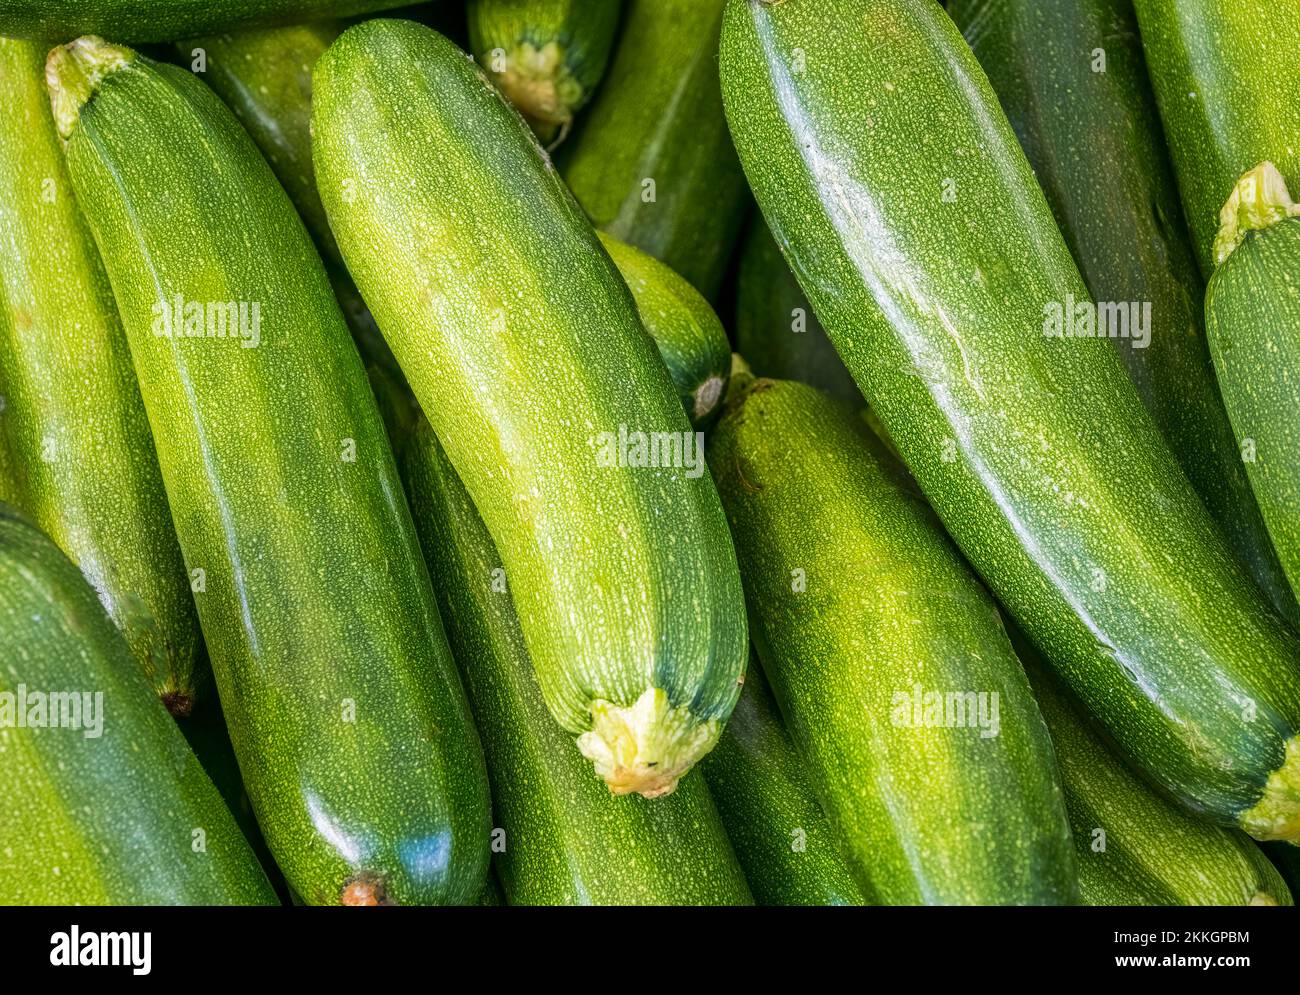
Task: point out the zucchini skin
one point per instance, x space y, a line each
264 76
1122 219
107 819
769 302
690 338
318 614
937 307
781 835
163 20
1152 853
84 467
1252 312
926 814
568 841
1227 78
658 117
546 56
533 356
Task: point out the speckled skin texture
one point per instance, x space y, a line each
1253 315
857 595
523 345
345 710
1227 76
691 340
767 296
918 232
1094 141
657 116
84 467
781 835
112 819
567 839
163 20
264 76
1152 852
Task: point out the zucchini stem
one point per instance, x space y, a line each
648 747
1276 816
1259 200
73 72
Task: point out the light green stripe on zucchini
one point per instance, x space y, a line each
1132 847
546 56
865 616
691 339
923 240
1073 82
344 706
782 837
104 804
650 161
83 462
567 840
1252 313
1227 75
526 352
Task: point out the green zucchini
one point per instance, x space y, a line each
104 802
1062 70
315 603
651 162
776 330
1252 310
546 56
781 835
523 345
924 243
567 840
1131 846
264 76
691 340
84 465
846 567
1227 77
164 20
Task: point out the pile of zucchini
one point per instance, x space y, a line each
418 456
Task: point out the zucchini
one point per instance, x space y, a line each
781 835
1227 78
1252 310
316 607
567 839
546 56
691 340
651 162
844 565
164 20
776 330
1063 70
84 465
104 803
264 76
533 367
1131 846
935 271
